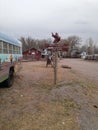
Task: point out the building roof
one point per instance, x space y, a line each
9 39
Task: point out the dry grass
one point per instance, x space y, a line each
47 116
29 105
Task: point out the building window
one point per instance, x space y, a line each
10 49
5 48
18 50
0 46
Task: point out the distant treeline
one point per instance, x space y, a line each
74 43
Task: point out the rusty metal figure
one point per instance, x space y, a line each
56 37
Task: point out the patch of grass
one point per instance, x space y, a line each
70 105
58 85
51 116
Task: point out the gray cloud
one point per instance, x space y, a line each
39 18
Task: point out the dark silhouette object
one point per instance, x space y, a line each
56 37
95 106
49 61
66 66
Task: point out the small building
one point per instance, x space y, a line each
32 54
25 53
38 55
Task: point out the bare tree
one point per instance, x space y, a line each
24 44
28 43
91 46
74 42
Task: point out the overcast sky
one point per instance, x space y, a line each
38 18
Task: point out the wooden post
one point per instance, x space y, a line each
55 67
56 40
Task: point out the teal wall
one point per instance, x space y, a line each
6 57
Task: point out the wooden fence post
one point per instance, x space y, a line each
55 67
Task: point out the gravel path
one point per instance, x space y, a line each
88 69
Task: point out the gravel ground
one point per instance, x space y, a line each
88 69
35 103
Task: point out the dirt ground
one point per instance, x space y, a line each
35 103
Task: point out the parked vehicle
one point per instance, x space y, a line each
10 55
